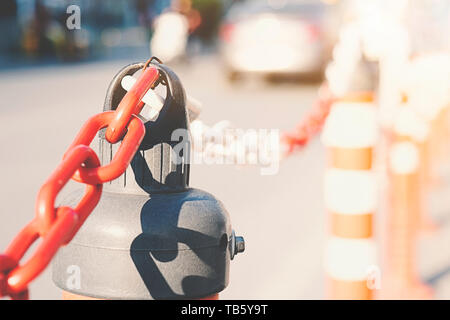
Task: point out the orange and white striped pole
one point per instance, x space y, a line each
439 136
410 127
350 134
402 280
427 85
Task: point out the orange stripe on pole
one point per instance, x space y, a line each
406 202
351 158
72 296
351 225
212 297
366 96
402 280
349 290
402 227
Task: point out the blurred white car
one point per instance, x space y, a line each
274 37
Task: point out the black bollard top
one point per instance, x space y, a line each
162 162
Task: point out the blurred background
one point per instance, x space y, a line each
36 32
255 63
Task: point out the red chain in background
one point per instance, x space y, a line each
57 226
311 125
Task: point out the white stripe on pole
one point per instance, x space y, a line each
409 124
351 125
350 191
350 259
404 158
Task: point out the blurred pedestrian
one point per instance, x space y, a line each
172 29
210 12
146 12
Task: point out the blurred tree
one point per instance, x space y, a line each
211 14
8 9
9 26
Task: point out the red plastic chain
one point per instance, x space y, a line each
312 124
57 226
130 104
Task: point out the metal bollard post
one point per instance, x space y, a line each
151 235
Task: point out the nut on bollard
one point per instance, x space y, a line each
236 244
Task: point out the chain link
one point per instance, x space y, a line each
57 226
130 104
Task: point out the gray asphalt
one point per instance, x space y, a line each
281 216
